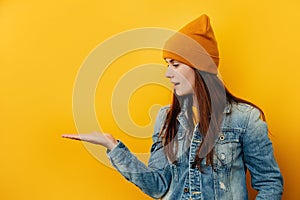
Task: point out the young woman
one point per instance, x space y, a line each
207 139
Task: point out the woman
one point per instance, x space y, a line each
206 140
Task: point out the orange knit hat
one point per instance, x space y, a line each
194 45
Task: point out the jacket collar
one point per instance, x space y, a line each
182 116
227 109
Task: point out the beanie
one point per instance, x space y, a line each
194 45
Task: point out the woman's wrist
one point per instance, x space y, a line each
112 144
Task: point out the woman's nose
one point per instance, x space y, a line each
169 73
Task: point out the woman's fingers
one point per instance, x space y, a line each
88 137
71 136
80 137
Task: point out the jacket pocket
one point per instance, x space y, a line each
158 159
226 147
224 155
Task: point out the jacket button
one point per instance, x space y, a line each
222 156
186 190
222 137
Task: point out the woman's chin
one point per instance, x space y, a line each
178 93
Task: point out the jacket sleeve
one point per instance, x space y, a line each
259 159
153 179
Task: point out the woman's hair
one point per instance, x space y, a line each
211 96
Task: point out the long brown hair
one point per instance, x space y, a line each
211 96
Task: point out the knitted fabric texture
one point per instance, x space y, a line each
194 45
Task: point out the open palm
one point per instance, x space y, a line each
103 139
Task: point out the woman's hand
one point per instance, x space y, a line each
106 140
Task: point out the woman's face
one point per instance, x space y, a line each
181 76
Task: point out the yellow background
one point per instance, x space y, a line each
43 44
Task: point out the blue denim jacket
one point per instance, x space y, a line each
243 144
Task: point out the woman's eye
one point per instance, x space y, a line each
173 65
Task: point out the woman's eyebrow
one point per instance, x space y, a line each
171 61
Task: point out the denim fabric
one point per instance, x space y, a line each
243 144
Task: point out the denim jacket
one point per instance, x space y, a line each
243 145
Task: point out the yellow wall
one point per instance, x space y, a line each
44 43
